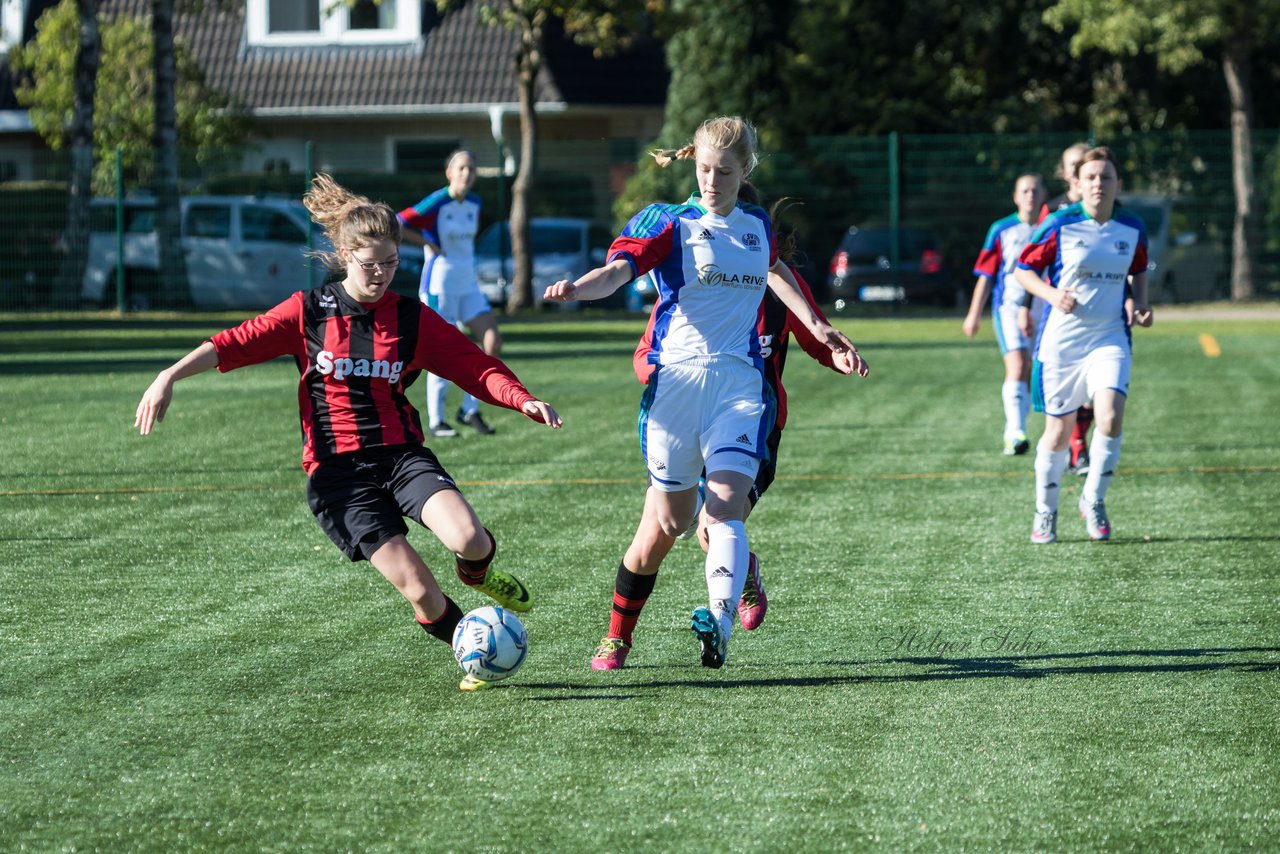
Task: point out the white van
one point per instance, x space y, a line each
563 248
1182 266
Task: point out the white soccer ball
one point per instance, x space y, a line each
490 643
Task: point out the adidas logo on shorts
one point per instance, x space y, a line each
744 439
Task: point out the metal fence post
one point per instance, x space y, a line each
895 205
308 164
120 306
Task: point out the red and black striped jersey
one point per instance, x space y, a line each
357 359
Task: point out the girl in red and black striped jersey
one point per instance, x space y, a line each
358 346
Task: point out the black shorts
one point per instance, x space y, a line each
360 499
768 467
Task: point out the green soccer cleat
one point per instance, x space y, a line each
1016 446
505 589
471 683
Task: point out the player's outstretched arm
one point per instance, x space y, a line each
156 399
543 412
594 284
784 285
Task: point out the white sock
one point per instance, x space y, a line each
1017 402
1050 465
469 404
437 388
1104 455
726 570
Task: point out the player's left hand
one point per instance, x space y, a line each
543 412
1141 315
849 361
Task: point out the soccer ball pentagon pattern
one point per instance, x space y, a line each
490 643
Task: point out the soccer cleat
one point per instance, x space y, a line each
611 654
714 644
1045 527
753 604
1016 446
471 683
505 589
475 422
1079 462
1095 519
442 430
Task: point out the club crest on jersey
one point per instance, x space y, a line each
343 367
1122 246
712 275
751 241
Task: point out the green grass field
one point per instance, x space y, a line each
189 664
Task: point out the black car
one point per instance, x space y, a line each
862 269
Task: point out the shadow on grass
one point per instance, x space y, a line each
935 669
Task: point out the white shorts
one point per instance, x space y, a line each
1005 322
713 412
1060 388
461 307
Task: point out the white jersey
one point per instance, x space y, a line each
1006 238
1096 259
711 272
450 225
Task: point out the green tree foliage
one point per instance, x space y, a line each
1181 36
604 25
124 107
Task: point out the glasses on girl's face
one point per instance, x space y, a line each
373 266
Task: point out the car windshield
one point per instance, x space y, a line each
547 239
871 243
1152 216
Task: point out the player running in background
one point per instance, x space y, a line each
358 346
707 404
775 324
1079 463
994 268
446 222
1091 251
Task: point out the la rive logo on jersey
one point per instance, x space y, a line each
713 276
343 367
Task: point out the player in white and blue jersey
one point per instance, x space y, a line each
1091 251
446 223
994 268
707 403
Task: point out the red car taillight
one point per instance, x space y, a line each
840 263
931 261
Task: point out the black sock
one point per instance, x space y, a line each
442 627
472 572
630 592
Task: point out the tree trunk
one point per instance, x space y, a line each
66 292
528 63
1244 236
174 291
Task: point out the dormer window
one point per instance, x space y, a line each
327 22
10 24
